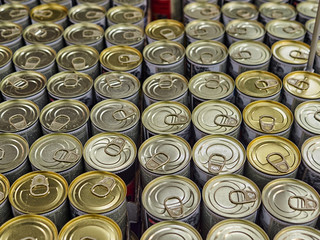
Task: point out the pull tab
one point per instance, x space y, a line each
8 33
59 122
174 206
1 196
266 126
165 82
246 196
115 147
206 58
108 183
296 54
243 13
215 165
114 82
299 84
225 121
306 204
175 119
213 82
39 180
65 155
18 83
281 165
198 31
45 13
290 29
132 15
18 121
317 115
32 62
238 30
128 58
242 55
167 33
266 83
168 57
1 153
209 11
132 35
123 114
71 80
157 160
14 13
78 63
88 33
40 33
276 13
88 238
93 15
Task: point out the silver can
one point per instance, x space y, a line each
275 10
143 4
16 13
5 209
309 26
103 3
237 10
11 35
126 14
6 66
306 10
201 10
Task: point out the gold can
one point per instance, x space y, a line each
66 3
11 35
15 12
306 10
5 209
275 10
238 10
6 66
294 232
201 10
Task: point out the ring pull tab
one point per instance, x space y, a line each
78 63
243 13
128 58
59 122
175 119
123 114
296 54
18 13
207 58
215 165
225 120
213 82
299 84
246 196
18 83
45 13
88 33
88 238
39 180
266 83
93 15
238 30
167 33
174 206
1 153
65 155
132 35
8 33
290 29
168 57
132 15
1 196
165 82
305 203
275 13
157 160
18 121
242 55
28 238
317 115
114 82
71 80
40 33
209 11
266 126
108 183
281 165
115 147
198 31
32 62
314 9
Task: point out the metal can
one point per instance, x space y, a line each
66 116
122 58
5 61
257 85
197 10
302 232
206 55
287 202
36 57
42 193
288 56
217 154
306 11
11 35
29 3
15 12
165 86
21 117
91 226
117 85
66 3
210 86
248 55
316 65
143 4
275 10
258 3
171 197
216 117
164 56
309 26
238 10
103 3
99 192
80 58
71 85
5 209
171 9
126 14
265 117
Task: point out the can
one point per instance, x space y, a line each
71 85
210 86
16 13
171 9
122 58
287 202
5 61
288 56
35 57
99 192
238 10
165 86
117 85
80 58
258 3
275 10
201 10
306 11
28 85
143 4
217 154
316 65
257 85
29 3
66 3
248 55
302 232
91 226
216 117
103 3
309 26
265 117
167 117
66 116
20 116
171 197
11 35
164 56
42 193
5 209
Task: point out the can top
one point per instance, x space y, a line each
289 51
236 229
115 115
165 86
308 9
120 58
205 29
13 12
90 226
69 84
4 188
97 192
29 227
291 200
307 115
38 192
278 10
259 84
171 197
124 34
50 12
164 154
125 14
34 56
86 12
245 29
204 10
216 117
17 115
298 232
164 29
5 56
64 115
112 152
163 52
9 31
285 29
243 10
250 52
171 230
310 153
117 85
309 25
166 117
42 33
83 33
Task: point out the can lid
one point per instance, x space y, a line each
164 154
4 189
165 86
163 52
291 200
5 56
278 10
97 192
112 152
171 197
164 29
245 29
9 31
205 10
289 51
310 25
38 192
216 117
64 115
116 84
307 115
308 9
211 85
69 84
205 29
86 12
83 33
267 116
124 34
13 12
166 117
90 226
286 29
42 33
310 153
125 14
259 84
243 10
298 232
50 12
